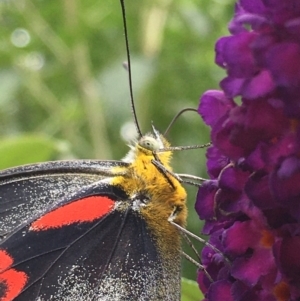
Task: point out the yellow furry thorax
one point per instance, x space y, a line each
143 177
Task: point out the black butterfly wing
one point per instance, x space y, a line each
94 246
30 190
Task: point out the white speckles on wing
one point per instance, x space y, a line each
139 284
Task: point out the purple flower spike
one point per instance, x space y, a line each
251 204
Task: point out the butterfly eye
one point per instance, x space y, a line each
149 143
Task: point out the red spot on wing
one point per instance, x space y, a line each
5 260
83 210
13 281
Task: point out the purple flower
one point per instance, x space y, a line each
251 204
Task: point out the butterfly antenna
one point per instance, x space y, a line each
176 117
128 67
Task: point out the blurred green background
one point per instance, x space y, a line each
64 93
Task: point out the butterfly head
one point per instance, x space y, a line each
149 145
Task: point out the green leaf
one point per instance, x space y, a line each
26 149
190 290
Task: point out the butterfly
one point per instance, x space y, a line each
93 230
